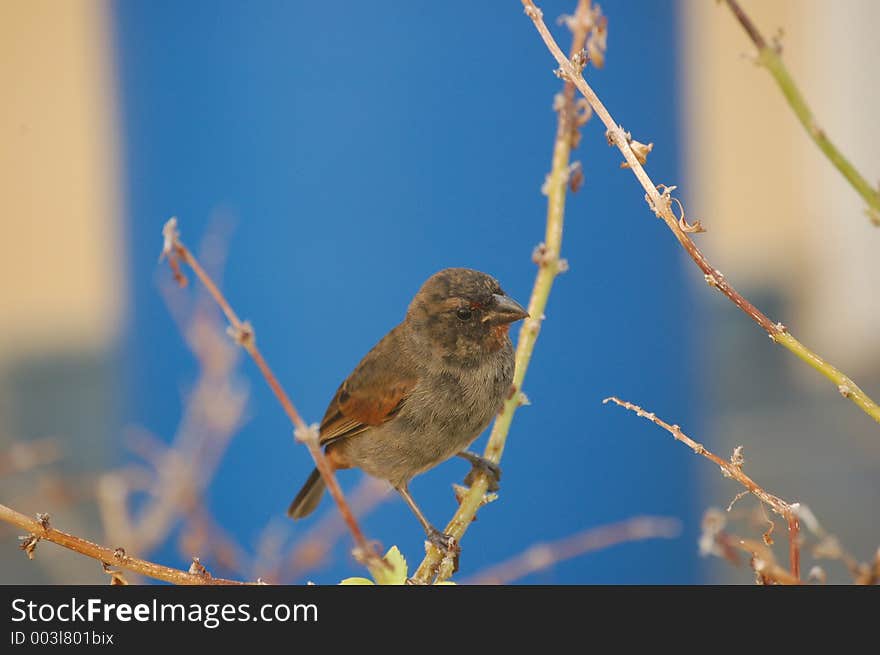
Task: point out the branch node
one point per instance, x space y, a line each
665 208
533 12
369 557
533 325
170 237
776 40
197 568
562 74
737 459
714 279
640 151
29 544
170 249
117 578
310 434
43 519
461 493
542 255
575 176
242 334
579 61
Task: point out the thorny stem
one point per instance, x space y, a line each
769 58
243 334
661 205
731 469
116 557
549 266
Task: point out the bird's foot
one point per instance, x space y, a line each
482 465
441 540
447 544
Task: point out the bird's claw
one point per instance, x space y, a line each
441 540
447 544
482 465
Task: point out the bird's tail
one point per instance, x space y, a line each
309 496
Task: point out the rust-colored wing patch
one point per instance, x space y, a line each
352 413
371 395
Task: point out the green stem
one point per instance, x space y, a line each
769 58
435 566
846 387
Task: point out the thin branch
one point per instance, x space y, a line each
549 266
660 201
40 530
243 334
731 469
769 57
543 556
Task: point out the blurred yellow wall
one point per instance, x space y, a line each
777 211
60 217
61 273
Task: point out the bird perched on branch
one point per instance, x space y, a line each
425 392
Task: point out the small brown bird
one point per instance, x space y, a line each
425 392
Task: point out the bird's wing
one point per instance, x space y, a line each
372 394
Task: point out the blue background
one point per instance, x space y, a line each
361 146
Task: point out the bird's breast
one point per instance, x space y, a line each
462 402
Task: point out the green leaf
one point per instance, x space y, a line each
395 572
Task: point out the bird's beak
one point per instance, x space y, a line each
506 310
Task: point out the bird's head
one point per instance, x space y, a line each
462 315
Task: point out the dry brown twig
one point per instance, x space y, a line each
543 556
175 475
732 468
39 529
243 334
716 540
661 202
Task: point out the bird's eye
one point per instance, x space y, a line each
464 314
